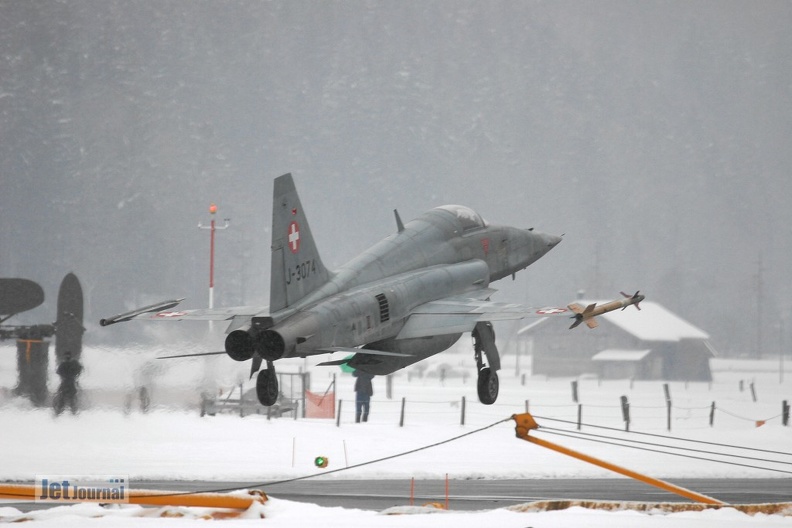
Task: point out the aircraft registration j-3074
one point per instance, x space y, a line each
407 298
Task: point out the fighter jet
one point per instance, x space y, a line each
409 297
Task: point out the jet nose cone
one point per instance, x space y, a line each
551 240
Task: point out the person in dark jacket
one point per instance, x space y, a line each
69 370
363 393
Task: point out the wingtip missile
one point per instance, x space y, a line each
587 314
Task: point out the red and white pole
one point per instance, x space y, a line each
212 211
212 227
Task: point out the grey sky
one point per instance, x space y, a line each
655 135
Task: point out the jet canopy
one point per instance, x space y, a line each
468 219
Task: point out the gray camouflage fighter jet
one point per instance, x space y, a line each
405 299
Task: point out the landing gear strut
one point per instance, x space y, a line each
267 385
484 341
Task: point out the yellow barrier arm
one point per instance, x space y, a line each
27 492
525 423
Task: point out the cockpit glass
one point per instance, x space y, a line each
468 218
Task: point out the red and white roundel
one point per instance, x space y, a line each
550 311
294 237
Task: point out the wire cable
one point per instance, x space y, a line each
724 411
314 475
666 436
672 454
582 435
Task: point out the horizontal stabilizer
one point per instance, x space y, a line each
157 307
592 323
199 354
241 315
363 351
344 361
335 363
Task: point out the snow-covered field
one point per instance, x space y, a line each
173 442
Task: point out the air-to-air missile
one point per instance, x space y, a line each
587 314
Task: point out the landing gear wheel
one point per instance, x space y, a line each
488 386
267 387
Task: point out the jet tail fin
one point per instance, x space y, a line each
297 269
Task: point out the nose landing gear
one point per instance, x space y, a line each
487 386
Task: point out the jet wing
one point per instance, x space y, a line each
459 314
163 312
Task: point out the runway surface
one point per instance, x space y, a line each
489 494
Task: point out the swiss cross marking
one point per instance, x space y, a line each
550 311
294 237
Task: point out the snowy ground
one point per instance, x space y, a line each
173 442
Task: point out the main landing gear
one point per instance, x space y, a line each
267 385
484 341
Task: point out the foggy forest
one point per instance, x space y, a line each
654 135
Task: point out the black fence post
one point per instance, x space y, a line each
667 392
753 392
625 405
401 420
712 414
785 413
305 377
575 391
462 421
580 415
668 414
338 415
